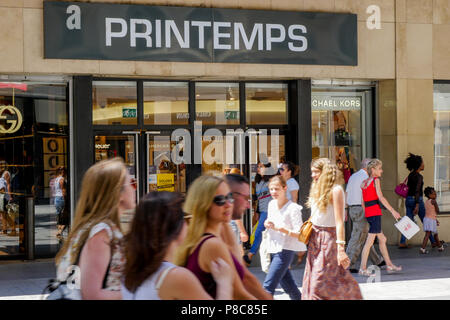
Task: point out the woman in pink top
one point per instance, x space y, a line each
430 222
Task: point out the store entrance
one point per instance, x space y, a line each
148 157
240 152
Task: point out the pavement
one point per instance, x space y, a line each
424 277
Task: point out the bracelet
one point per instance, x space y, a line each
340 241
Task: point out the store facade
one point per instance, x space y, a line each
172 91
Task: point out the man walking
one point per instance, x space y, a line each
240 189
360 225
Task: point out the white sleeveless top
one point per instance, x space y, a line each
148 290
57 186
325 219
117 261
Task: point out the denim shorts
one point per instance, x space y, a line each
375 224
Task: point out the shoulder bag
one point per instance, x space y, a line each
305 231
402 188
61 290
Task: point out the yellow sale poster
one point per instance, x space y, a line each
166 182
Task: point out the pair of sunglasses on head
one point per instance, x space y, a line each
221 199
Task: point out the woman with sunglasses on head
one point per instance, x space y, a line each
95 241
326 277
283 221
210 202
158 228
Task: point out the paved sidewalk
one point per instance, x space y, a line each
423 277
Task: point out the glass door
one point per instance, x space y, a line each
264 147
165 168
121 144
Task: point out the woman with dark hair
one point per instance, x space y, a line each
414 201
157 230
287 171
263 197
60 201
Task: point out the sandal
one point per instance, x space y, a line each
365 272
393 269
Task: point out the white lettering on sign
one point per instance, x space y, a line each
73 22
109 34
374 20
257 31
172 27
226 36
182 115
218 35
336 103
144 35
291 34
269 36
201 32
102 146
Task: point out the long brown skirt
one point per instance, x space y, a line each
324 279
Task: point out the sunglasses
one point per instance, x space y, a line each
221 200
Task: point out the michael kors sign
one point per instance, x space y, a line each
99 31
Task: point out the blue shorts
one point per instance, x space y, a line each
375 224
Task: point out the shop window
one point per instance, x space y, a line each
266 103
217 103
34 153
339 127
114 102
441 110
166 103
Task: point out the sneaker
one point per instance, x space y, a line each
423 251
441 248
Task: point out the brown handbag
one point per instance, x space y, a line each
305 231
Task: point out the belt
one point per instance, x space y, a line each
371 203
354 205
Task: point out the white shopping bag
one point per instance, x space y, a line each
407 227
263 254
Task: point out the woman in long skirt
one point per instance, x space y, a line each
326 276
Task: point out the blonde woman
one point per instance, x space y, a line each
372 197
210 202
94 244
326 277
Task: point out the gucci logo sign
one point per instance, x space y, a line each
8 113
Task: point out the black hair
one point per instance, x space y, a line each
291 167
413 162
234 178
266 177
428 191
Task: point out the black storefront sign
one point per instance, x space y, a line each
99 31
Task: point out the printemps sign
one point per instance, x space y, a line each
106 31
13 118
